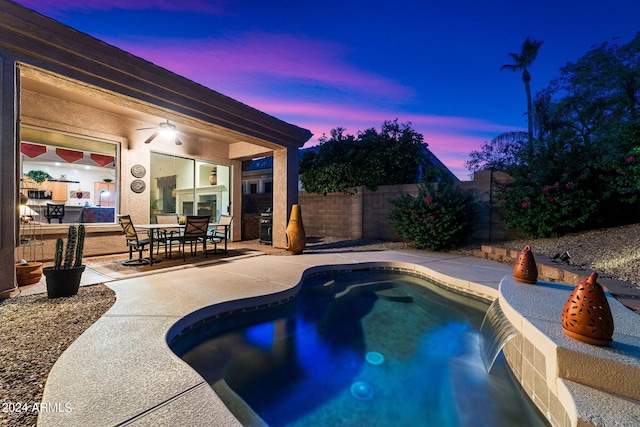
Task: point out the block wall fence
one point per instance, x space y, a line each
365 215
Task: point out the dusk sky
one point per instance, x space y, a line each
354 64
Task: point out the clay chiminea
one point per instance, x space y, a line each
586 315
296 237
525 269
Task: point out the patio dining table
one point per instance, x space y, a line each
154 228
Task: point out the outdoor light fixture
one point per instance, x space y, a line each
100 197
166 129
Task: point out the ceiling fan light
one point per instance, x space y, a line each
167 129
167 133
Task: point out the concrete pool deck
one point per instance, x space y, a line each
122 372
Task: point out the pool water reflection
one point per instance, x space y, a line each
359 348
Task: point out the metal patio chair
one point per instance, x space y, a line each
166 237
220 233
133 241
195 231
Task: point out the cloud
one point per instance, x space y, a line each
450 138
266 62
50 6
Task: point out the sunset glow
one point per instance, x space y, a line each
332 64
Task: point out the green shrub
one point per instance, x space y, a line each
552 203
440 217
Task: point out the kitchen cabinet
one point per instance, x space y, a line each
108 197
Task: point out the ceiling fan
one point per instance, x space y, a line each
163 128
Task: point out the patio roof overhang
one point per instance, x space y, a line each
62 62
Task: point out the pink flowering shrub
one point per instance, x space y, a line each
440 217
547 210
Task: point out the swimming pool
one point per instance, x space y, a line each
371 347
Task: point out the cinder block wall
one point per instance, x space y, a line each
365 214
377 209
336 215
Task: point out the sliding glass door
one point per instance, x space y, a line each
189 187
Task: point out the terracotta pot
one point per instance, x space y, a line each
296 238
525 269
586 315
29 273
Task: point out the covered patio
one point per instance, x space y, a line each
95 107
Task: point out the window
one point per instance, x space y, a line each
71 170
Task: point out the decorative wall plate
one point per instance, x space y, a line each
138 186
138 171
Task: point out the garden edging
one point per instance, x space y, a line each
548 270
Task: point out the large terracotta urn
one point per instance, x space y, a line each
525 269
586 315
296 238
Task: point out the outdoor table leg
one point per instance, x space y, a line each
152 260
226 230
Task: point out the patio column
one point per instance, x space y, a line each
285 192
8 172
236 200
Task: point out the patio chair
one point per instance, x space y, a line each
133 241
220 232
54 212
166 237
195 230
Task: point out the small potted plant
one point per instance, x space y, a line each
63 278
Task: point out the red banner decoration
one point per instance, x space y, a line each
32 150
69 155
101 159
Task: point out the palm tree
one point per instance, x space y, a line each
522 61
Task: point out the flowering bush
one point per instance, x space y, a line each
438 218
549 203
550 209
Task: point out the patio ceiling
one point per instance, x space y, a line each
142 114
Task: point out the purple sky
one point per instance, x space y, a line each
355 64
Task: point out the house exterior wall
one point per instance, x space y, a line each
8 170
59 79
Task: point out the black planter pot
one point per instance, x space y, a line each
63 283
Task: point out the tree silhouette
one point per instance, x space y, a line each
522 61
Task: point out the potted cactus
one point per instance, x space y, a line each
63 278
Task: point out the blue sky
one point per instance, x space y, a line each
354 64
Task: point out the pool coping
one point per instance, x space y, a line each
122 372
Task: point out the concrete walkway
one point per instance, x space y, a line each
122 372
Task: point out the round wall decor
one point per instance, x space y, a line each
138 171
138 186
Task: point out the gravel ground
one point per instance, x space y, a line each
612 252
36 330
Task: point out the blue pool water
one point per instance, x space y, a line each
364 348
